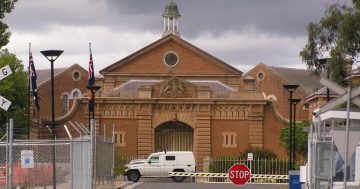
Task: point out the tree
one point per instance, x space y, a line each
120 163
6 6
300 138
14 88
336 35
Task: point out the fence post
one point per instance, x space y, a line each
113 162
7 156
92 159
71 165
11 129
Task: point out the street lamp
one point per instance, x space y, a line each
293 103
290 89
92 89
52 55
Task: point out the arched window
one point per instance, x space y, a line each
65 103
75 93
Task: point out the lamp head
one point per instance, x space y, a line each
294 101
52 55
290 88
93 88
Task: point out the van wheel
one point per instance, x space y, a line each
178 178
133 176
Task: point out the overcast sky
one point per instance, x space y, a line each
242 33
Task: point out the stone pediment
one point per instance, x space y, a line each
174 88
186 59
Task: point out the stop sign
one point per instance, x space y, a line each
239 174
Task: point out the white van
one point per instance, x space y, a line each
160 164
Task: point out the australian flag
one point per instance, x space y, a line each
91 80
91 75
33 78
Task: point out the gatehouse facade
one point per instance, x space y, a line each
171 95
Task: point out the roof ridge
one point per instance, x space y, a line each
289 68
61 71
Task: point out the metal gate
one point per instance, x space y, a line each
174 136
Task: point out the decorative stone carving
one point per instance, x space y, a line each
173 88
175 107
119 111
230 112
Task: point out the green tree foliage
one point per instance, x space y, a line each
6 6
300 138
120 163
14 87
336 35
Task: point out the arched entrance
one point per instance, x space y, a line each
174 136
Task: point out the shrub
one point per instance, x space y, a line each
259 153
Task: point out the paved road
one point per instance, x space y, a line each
145 183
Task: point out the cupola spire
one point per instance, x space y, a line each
171 17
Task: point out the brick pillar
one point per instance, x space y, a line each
256 127
203 139
256 139
144 144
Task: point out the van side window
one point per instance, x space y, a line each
170 158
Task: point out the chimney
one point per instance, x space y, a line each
249 83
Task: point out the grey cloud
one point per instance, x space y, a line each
33 19
283 17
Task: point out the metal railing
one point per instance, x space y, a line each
268 170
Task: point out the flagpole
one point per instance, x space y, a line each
29 93
89 106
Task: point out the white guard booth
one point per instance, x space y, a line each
327 147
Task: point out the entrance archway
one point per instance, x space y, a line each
174 136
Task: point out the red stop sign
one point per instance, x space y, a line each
239 174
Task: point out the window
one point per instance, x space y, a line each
260 76
305 106
120 138
171 59
76 75
154 159
75 93
65 103
169 158
229 139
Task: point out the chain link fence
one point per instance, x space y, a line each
83 162
105 154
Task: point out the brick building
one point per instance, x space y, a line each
270 81
171 95
70 84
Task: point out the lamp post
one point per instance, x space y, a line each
293 103
92 89
52 55
290 89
